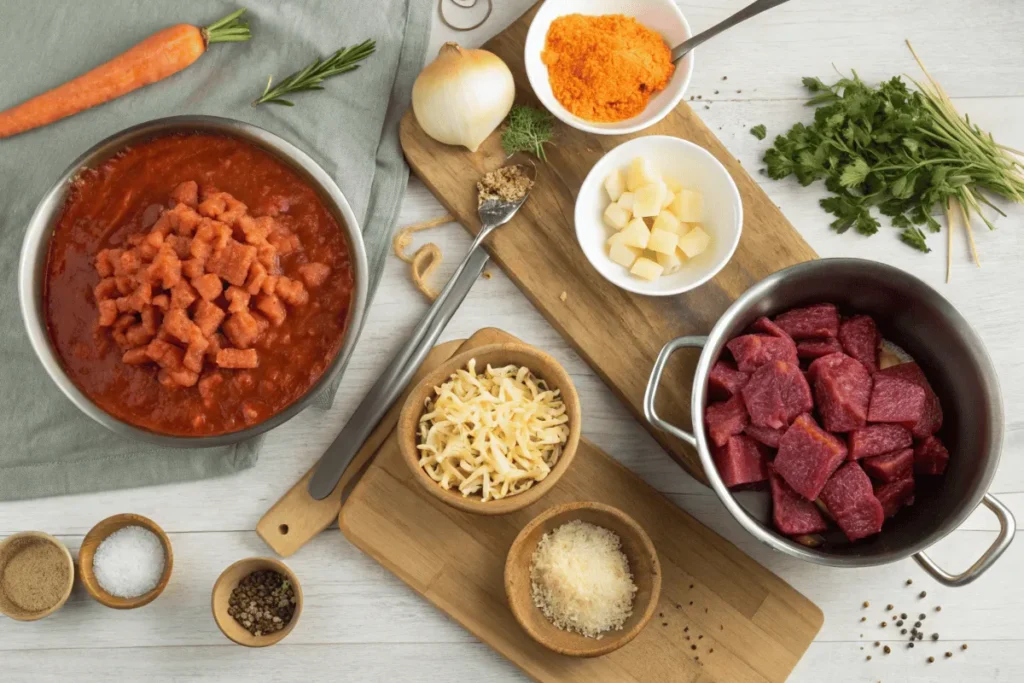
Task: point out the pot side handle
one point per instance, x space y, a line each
1007 527
652 386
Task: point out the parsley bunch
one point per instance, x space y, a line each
903 152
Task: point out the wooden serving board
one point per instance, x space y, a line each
721 617
618 333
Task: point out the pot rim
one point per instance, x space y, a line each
715 340
35 244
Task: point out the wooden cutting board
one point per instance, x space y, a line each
618 333
721 617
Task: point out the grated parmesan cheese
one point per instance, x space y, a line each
580 579
493 434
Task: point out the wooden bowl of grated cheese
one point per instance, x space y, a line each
582 579
492 430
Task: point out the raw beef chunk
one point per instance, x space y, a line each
725 381
816 348
877 440
894 399
766 326
792 514
725 419
930 456
860 340
819 320
932 419
895 495
766 435
751 351
842 389
741 461
776 393
851 501
808 456
891 466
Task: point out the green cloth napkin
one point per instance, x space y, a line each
47 447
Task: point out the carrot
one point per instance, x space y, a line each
164 53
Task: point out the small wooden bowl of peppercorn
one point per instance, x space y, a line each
249 618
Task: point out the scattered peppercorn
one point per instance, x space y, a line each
917 624
725 78
877 643
899 623
711 650
886 649
910 581
935 636
263 602
692 98
949 654
903 632
693 647
868 658
867 604
910 645
884 624
903 616
738 92
716 92
964 646
931 659
863 618
888 608
923 594
707 106
700 97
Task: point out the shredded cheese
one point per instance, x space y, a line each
580 579
494 434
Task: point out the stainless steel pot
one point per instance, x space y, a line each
924 324
32 265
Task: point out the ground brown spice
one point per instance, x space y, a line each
506 184
36 575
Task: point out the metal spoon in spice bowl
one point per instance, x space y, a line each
751 10
500 195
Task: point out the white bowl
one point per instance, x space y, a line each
695 168
662 16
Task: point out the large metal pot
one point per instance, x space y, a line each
32 265
924 324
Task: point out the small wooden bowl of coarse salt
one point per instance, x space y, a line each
591 569
125 561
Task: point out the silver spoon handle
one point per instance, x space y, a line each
751 10
396 376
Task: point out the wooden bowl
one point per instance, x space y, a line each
92 541
643 564
543 367
12 546
227 582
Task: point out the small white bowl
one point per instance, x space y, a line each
663 16
695 168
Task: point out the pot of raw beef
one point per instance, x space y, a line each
846 414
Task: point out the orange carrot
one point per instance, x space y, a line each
164 53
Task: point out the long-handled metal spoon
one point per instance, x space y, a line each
751 10
493 213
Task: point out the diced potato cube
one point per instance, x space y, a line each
620 253
672 184
648 200
615 185
663 241
694 242
669 198
626 201
668 222
615 216
688 206
636 234
671 262
641 172
646 269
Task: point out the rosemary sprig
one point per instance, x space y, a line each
342 61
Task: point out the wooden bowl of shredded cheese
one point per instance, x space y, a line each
582 579
493 429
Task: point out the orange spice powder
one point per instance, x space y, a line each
605 68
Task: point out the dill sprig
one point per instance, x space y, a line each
527 130
344 60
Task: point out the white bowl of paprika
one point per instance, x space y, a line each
581 62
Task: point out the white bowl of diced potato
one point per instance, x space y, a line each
658 215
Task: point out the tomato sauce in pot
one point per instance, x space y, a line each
112 208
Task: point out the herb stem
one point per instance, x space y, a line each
310 78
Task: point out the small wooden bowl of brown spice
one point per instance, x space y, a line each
37 573
249 618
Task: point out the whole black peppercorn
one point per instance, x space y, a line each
935 636
884 624
903 616
910 581
938 608
922 617
886 649
949 654
917 624
888 608
910 645
931 659
923 594
964 646
903 632
899 623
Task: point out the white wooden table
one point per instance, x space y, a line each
360 623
